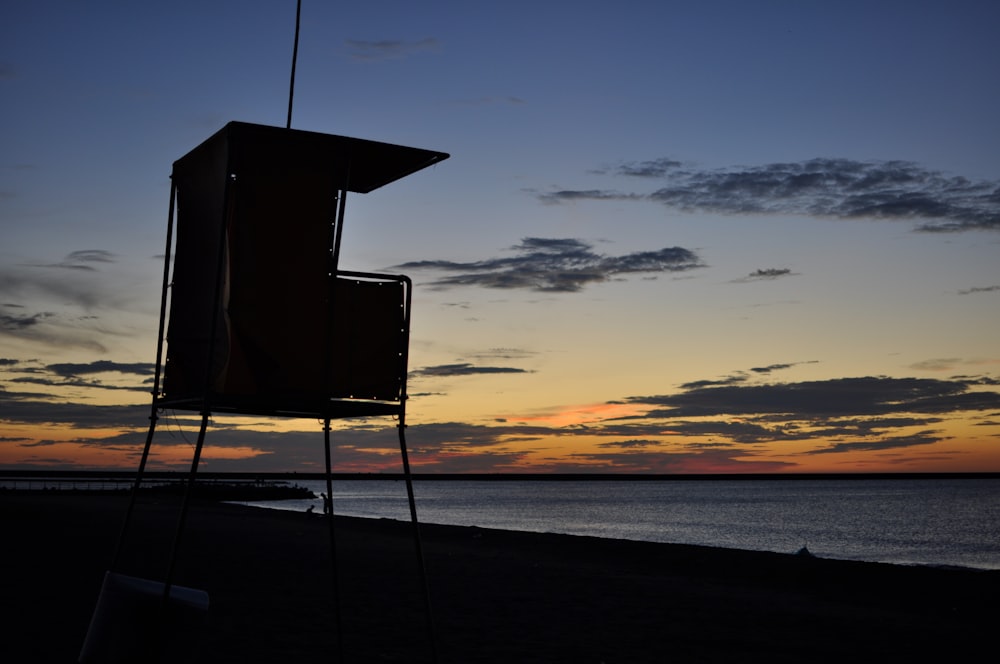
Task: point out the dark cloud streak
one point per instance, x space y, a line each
82 259
69 369
767 274
980 289
461 369
824 187
387 49
841 397
559 265
922 438
19 323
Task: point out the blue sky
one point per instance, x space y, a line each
648 205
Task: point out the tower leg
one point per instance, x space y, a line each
416 538
135 490
182 519
328 515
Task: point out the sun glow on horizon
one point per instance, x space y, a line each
577 415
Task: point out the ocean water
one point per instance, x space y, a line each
903 521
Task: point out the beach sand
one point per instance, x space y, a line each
496 596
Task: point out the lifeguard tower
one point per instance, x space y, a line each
261 320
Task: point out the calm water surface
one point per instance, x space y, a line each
919 521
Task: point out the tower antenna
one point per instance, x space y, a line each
295 55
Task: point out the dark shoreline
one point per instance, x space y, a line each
497 596
494 477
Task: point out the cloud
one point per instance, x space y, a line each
922 438
823 187
77 382
89 256
387 49
569 195
979 289
864 414
28 409
871 426
562 265
18 323
635 443
71 369
461 435
54 329
728 380
773 367
74 375
82 259
51 329
655 168
42 280
735 431
505 354
840 397
768 274
742 376
937 364
462 369
40 302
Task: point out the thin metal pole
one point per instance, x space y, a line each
206 407
181 520
339 230
156 379
163 294
328 327
328 502
416 538
135 490
408 476
295 56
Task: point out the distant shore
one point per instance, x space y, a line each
240 486
234 489
487 477
496 596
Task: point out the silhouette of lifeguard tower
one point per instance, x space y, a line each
262 320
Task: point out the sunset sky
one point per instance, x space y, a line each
713 236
